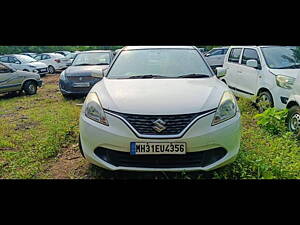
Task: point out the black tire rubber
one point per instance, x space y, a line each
30 87
51 69
268 94
292 111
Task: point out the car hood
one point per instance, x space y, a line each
286 72
37 64
84 70
160 96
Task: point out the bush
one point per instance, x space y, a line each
273 120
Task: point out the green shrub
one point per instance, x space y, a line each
273 120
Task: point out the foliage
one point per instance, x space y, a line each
273 120
41 49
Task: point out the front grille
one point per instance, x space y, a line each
81 79
174 124
42 70
191 159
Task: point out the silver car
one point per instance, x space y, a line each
12 80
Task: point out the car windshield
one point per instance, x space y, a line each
25 59
282 57
92 58
71 56
159 63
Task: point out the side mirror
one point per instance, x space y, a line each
207 55
252 63
221 72
99 74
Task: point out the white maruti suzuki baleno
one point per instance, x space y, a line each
159 108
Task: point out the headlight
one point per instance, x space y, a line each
63 76
227 108
285 81
93 109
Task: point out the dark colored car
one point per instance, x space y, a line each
82 75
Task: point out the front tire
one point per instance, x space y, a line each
264 101
51 69
293 120
30 87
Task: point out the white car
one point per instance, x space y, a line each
160 108
293 105
68 59
266 72
215 57
53 61
24 63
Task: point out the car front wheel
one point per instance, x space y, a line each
264 101
30 87
293 119
51 69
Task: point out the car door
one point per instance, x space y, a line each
47 59
249 75
8 79
232 65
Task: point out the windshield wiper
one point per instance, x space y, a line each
295 66
193 75
146 76
83 64
101 64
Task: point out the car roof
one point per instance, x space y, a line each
157 47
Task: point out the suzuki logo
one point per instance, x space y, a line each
159 125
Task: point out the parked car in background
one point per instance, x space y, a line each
64 53
215 57
293 105
12 80
265 72
79 78
25 63
202 50
146 113
68 59
32 55
52 60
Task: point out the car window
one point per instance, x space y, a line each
4 59
3 68
12 59
234 55
38 57
45 57
225 50
171 63
250 54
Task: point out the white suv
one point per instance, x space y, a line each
267 72
160 108
293 105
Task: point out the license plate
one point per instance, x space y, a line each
81 84
157 148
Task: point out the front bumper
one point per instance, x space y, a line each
40 83
200 137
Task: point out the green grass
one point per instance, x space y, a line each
33 130
262 155
31 135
